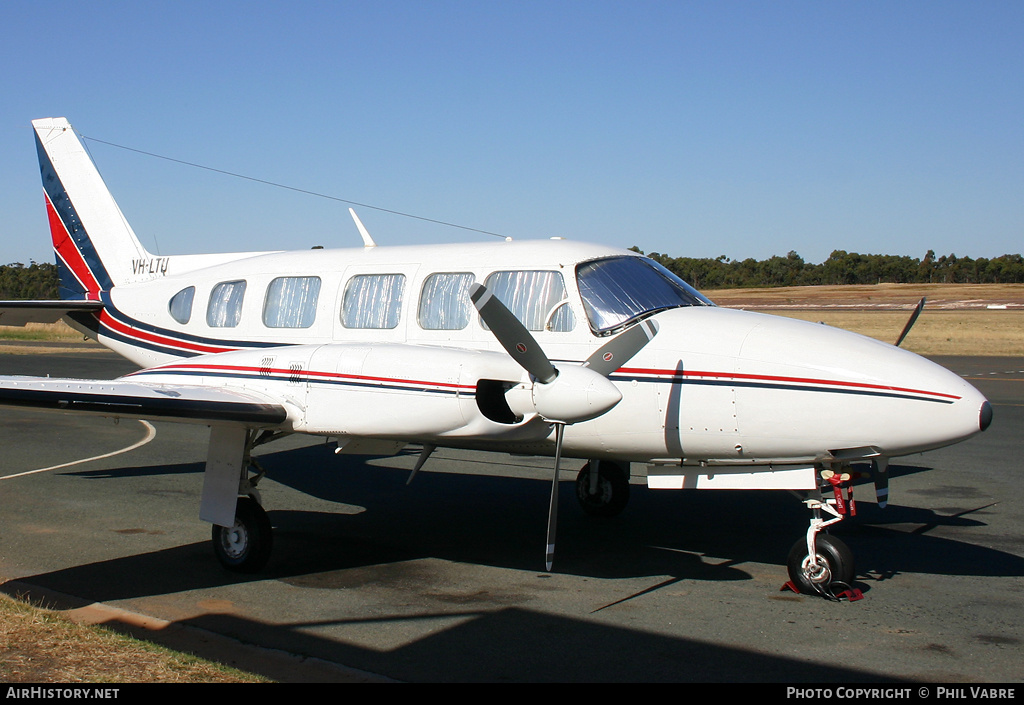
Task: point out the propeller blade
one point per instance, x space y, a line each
549 555
879 470
577 394
913 319
428 448
620 349
512 334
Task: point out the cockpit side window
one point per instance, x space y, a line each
619 290
180 305
561 319
536 298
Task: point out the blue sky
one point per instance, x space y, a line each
744 129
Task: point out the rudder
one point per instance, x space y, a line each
93 242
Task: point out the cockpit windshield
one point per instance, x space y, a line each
619 290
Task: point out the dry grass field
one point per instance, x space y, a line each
958 319
881 296
39 645
43 337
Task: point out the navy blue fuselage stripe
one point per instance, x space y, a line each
777 385
301 377
185 338
106 332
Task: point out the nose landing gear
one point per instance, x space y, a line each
821 564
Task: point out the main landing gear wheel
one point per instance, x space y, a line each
834 571
244 547
612 493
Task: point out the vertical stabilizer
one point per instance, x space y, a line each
95 247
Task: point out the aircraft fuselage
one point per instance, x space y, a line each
714 387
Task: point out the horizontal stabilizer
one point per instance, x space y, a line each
139 401
18 313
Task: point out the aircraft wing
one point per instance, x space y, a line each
130 399
18 313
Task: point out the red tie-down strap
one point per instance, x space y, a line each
837 480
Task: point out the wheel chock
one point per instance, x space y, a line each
851 593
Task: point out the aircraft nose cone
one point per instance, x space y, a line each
879 396
985 417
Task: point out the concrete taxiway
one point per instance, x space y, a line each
443 581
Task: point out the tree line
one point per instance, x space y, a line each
36 281
842 267
39 280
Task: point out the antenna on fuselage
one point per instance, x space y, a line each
367 240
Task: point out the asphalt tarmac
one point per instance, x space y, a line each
442 580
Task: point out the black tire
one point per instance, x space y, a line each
244 547
835 561
612 490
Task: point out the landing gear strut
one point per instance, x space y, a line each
821 564
242 544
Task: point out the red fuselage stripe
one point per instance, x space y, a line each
679 374
115 325
310 373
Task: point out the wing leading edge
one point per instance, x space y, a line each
125 399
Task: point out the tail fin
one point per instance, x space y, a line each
95 247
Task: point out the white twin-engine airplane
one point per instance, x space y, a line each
536 347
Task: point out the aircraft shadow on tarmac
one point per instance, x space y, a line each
515 645
488 520
506 644
500 521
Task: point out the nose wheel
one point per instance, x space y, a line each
831 572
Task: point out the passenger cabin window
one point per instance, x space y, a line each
225 309
373 301
444 301
180 305
536 298
619 290
291 302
